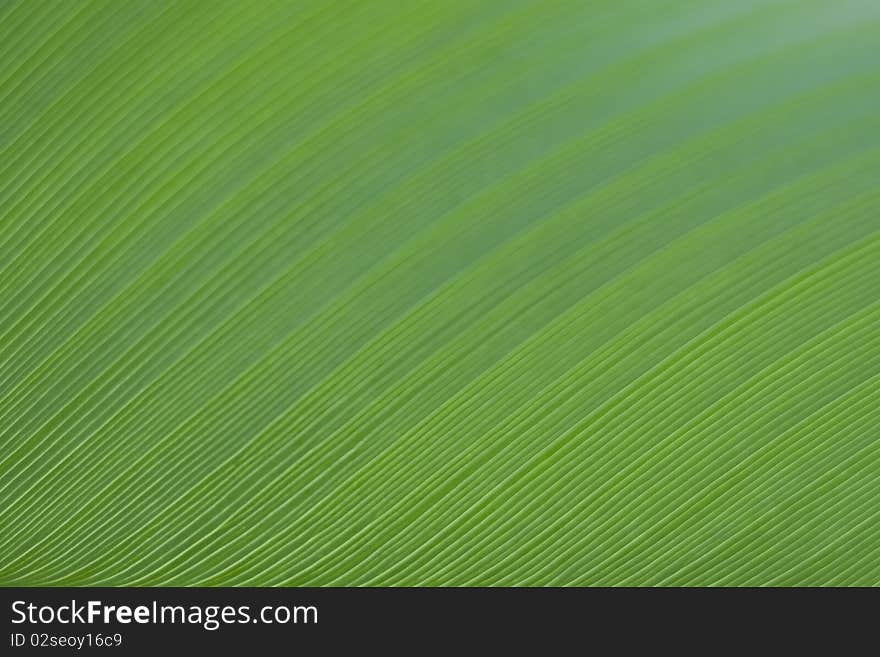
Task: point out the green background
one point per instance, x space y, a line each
440 292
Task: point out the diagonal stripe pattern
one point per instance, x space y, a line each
515 292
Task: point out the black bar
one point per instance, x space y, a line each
322 620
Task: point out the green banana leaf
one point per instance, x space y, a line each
440 292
